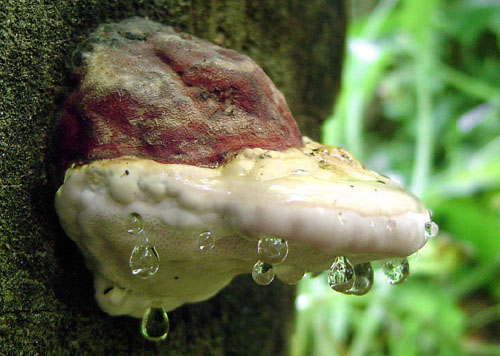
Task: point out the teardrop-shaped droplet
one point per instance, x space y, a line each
135 225
144 261
206 241
262 273
272 250
342 218
341 274
391 224
363 279
396 270
155 324
431 229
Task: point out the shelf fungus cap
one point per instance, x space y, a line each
185 157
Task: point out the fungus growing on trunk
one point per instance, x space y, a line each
185 168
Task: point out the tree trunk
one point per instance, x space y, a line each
47 305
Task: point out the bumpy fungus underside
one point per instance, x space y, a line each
317 198
190 170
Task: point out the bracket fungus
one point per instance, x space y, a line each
184 168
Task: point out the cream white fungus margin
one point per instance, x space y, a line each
318 198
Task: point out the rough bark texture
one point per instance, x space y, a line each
46 293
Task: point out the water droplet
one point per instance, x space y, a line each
391 224
363 279
431 229
144 261
396 270
135 224
372 223
155 324
342 218
262 273
337 152
323 164
341 274
299 172
265 155
206 241
272 250
344 155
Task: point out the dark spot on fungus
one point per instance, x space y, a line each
107 290
381 182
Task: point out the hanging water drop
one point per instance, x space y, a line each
341 274
272 250
144 261
391 224
135 225
396 270
262 273
155 324
342 218
363 279
206 241
431 229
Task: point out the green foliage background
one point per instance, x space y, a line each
420 102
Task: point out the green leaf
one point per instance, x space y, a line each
472 222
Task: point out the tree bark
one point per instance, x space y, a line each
46 294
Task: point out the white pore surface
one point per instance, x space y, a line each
318 198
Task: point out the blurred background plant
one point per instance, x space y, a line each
420 102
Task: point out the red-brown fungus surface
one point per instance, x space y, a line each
148 91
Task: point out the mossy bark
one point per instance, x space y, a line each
46 294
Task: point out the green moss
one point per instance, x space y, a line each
46 294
